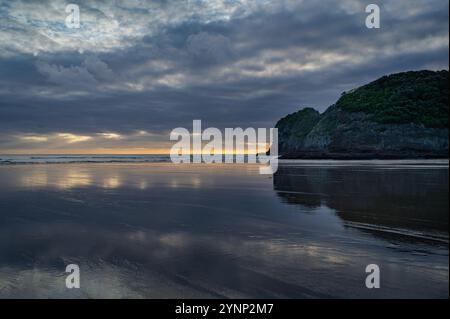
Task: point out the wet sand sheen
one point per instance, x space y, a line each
168 231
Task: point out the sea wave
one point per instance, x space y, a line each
75 159
437 237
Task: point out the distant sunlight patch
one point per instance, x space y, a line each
34 138
73 138
111 136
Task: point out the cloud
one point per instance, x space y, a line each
110 136
32 138
74 76
153 66
91 73
105 142
73 138
98 68
207 48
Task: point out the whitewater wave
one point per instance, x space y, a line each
74 159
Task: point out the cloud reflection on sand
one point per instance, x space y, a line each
145 263
65 177
224 231
159 260
40 176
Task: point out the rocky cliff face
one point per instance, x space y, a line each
404 115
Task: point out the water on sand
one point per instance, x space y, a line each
158 230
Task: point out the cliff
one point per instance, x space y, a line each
403 115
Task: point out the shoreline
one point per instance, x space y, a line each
356 161
360 157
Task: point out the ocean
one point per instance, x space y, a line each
67 159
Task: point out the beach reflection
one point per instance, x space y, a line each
163 230
45 177
65 177
399 198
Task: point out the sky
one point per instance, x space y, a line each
136 70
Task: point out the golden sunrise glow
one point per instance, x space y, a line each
94 151
110 136
32 138
73 138
112 151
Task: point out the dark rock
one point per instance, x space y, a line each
374 129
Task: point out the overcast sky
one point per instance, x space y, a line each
135 70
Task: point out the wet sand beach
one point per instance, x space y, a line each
159 230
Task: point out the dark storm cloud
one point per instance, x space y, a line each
160 65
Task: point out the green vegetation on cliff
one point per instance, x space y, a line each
402 115
300 123
293 129
420 97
